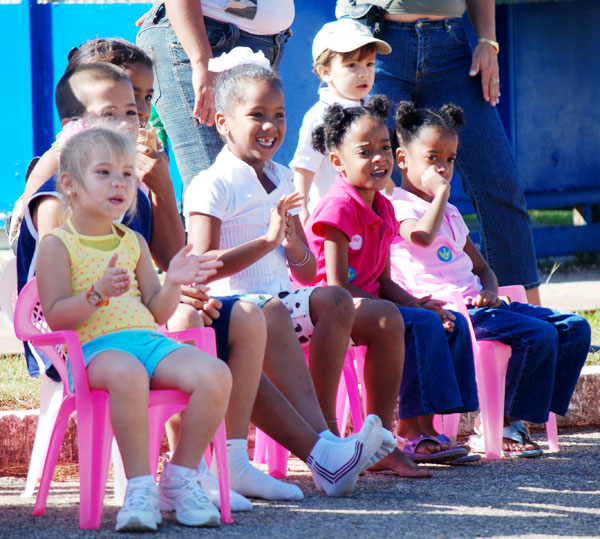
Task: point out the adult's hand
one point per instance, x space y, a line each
485 62
204 94
141 20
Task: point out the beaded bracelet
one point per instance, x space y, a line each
305 260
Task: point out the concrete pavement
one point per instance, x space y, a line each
556 495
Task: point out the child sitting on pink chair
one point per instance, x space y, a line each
434 255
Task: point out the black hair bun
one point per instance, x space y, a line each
318 139
334 116
454 114
407 115
379 106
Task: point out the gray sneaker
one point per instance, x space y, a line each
140 511
184 495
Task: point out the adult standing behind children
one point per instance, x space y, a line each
433 64
181 36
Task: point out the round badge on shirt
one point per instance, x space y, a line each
351 274
444 254
356 242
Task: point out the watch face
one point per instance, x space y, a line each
94 298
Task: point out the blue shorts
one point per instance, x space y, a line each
147 345
221 325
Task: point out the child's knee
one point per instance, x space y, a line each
247 321
276 314
130 376
185 317
579 329
334 302
213 378
390 319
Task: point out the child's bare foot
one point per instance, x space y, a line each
401 464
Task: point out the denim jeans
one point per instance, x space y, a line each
195 146
429 65
549 349
439 373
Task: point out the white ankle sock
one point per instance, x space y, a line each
141 480
210 485
250 481
335 465
387 446
328 435
175 469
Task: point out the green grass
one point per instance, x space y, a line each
593 318
556 217
18 390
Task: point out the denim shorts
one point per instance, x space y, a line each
195 145
221 325
147 345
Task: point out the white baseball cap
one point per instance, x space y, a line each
345 35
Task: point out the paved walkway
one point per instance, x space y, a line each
557 495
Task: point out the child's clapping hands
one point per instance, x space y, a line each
278 225
115 281
185 268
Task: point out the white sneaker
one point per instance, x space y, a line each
140 509
183 494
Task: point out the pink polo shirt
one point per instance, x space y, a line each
440 267
370 233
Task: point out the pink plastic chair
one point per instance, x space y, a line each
93 419
267 450
491 362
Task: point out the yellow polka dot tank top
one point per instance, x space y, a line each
89 257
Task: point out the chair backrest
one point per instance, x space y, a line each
8 290
29 321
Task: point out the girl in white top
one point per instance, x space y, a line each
344 59
242 208
97 179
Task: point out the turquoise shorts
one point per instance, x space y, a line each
147 345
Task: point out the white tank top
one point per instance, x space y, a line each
259 17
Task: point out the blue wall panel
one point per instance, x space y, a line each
557 89
16 98
549 73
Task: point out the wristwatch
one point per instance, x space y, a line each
94 298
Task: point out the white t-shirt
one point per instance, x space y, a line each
307 157
259 17
230 191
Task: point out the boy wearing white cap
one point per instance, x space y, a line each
344 59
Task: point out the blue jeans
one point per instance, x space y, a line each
549 349
195 146
430 65
439 373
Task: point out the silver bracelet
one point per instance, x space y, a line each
305 260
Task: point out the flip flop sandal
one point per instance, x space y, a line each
464 459
477 444
410 450
524 437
